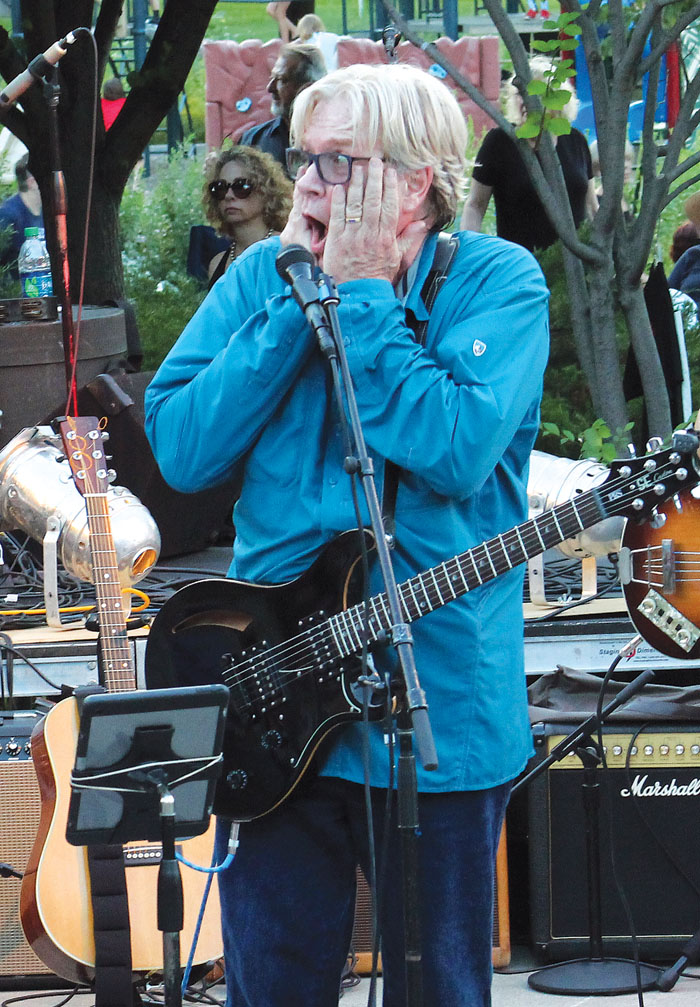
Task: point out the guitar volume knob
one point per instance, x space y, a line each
271 739
237 779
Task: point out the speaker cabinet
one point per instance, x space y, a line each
20 807
649 815
362 927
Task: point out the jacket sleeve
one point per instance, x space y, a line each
225 376
448 412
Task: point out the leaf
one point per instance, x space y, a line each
558 126
557 99
537 87
530 128
545 45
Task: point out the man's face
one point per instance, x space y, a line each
284 86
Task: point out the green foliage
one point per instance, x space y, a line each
596 441
552 94
156 216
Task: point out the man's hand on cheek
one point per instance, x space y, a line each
361 242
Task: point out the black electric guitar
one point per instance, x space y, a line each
291 666
660 575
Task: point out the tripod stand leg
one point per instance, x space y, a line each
690 954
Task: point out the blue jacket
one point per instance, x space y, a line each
685 275
245 387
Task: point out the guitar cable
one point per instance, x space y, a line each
233 842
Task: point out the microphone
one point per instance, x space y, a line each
297 266
37 69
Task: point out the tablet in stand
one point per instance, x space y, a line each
145 769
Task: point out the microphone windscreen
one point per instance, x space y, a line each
290 256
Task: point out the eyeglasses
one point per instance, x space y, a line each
332 168
240 187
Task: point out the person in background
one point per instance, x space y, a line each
247 197
296 66
312 30
685 275
287 16
378 162
500 172
684 237
19 211
113 99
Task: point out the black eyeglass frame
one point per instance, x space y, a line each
242 188
315 159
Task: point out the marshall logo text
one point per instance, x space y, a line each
640 788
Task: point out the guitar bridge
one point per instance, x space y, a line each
669 620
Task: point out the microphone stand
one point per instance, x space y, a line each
412 717
51 91
595 975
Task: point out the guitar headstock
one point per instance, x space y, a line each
635 487
82 438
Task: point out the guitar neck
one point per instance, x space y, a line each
441 584
115 650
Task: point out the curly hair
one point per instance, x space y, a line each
263 171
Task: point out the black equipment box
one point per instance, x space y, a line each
649 828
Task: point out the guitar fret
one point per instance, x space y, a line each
333 623
448 580
437 586
409 584
505 552
476 569
460 570
522 544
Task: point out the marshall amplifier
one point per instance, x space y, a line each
649 835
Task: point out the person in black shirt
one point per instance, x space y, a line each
500 172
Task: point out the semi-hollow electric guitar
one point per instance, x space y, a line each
55 906
291 668
660 574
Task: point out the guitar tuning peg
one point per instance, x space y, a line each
654 443
657 520
104 434
111 475
678 503
631 450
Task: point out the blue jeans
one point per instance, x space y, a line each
288 898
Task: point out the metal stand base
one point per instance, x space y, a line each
594 977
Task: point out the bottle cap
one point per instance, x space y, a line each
31 232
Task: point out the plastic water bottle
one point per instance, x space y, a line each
34 265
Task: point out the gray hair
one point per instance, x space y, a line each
413 117
539 67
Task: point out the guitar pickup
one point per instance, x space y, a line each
669 620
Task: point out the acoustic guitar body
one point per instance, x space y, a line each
55 906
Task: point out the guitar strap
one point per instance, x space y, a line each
114 986
442 261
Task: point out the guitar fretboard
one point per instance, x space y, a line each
117 660
441 584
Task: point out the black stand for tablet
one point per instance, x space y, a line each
145 769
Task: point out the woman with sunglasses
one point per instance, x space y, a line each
247 197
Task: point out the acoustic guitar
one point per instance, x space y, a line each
292 668
55 904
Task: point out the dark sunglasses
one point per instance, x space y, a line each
240 187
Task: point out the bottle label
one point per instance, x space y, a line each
37 285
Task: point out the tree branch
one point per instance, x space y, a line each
156 86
